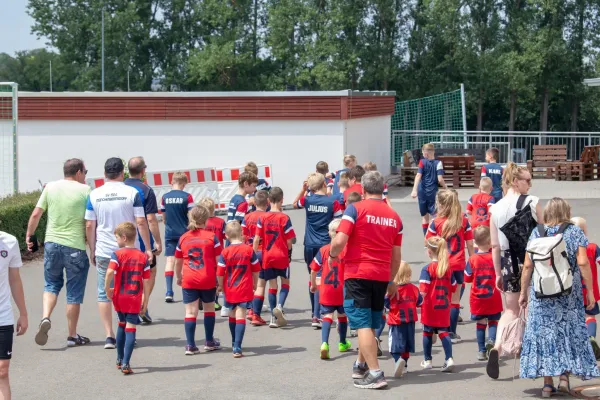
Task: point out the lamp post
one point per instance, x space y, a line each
103 6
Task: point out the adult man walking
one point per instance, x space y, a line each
64 247
107 207
372 232
137 169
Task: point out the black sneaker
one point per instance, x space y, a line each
359 372
110 343
371 381
379 351
146 318
41 337
78 340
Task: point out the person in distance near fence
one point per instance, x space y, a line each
174 206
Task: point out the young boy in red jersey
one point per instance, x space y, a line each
195 267
451 225
436 285
478 207
131 272
593 253
329 280
237 273
174 207
402 317
354 177
485 300
261 202
274 235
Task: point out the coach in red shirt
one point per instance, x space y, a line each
371 231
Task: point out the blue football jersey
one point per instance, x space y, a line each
429 170
494 171
320 211
175 205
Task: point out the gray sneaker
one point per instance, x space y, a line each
359 372
41 337
280 315
454 338
482 356
371 381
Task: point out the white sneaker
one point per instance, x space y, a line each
454 338
426 364
280 315
273 323
353 333
224 312
399 368
448 365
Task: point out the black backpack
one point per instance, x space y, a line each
517 230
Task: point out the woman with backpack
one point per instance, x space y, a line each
516 214
556 341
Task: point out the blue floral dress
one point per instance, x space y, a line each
556 339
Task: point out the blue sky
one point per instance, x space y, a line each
15 29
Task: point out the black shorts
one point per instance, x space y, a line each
366 293
6 341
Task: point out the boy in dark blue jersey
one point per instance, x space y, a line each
494 171
349 163
174 207
261 185
429 175
320 211
238 206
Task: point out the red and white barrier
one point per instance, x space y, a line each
227 179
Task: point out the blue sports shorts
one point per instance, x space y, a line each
244 304
491 317
593 311
204 295
459 276
426 204
131 318
331 309
274 273
170 246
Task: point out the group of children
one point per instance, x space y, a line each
252 247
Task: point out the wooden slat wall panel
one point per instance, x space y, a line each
199 108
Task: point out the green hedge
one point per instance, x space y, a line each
14 215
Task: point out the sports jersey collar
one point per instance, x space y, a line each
374 198
113 183
235 244
483 252
135 179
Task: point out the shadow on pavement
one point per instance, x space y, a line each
149 370
271 350
163 342
431 376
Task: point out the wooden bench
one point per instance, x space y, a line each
545 158
479 154
586 169
460 171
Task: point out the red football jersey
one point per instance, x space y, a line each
593 253
249 225
485 299
216 225
456 243
199 250
236 265
274 230
403 307
131 268
479 207
357 187
437 293
331 290
374 229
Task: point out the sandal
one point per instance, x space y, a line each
548 393
564 385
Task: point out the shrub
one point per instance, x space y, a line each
14 216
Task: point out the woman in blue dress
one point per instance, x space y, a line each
556 341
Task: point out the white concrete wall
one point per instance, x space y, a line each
292 147
369 140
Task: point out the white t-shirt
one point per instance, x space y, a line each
10 257
109 205
505 209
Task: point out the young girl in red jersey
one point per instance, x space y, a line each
485 300
195 267
436 285
593 254
329 280
454 228
402 317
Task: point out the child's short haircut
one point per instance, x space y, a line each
233 230
126 229
353 198
343 182
427 147
180 178
209 204
247 177
251 167
349 159
486 183
357 173
333 226
370 166
494 153
315 181
261 199
404 274
481 234
276 195
322 167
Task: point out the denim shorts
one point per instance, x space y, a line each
76 264
101 267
